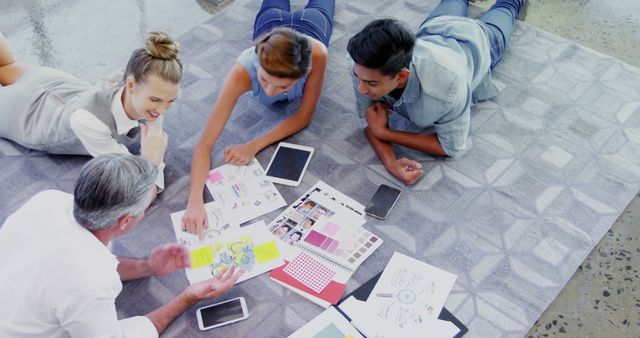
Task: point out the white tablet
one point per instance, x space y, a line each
288 164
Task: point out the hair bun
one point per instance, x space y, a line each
161 46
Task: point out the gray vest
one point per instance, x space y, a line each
43 101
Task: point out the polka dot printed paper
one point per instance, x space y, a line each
310 272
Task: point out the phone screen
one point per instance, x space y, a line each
288 163
382 201
222 313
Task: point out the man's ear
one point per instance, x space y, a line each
403 75
123 222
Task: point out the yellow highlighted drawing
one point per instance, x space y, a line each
201 257
266 252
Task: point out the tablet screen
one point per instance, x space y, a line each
288 163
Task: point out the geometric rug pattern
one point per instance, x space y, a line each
555 160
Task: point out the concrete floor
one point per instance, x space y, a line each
603 297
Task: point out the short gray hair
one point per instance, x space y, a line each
110 187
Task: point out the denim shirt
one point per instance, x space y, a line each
449 72
249 60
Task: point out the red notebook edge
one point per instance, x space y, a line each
331 293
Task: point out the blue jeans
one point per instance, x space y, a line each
315 19
498 21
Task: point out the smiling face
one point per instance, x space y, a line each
281 231
273 85
151 98
375 85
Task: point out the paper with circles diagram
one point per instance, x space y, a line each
410 292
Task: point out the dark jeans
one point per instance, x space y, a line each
315 19
498 21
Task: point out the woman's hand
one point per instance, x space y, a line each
240 155
195 219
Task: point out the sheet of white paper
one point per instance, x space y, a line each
410 291
367 322
328 324
243 191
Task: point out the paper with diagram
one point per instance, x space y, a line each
251 248
243 191
410 292
366 320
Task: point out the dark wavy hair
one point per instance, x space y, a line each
385 45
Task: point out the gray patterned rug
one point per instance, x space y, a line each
555 160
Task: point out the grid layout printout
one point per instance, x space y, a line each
243 191
310 272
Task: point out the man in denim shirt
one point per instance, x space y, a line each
431 78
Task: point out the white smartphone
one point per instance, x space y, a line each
382 201
222 313
288 164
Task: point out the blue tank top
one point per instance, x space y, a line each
249 60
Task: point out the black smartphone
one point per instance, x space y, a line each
382 201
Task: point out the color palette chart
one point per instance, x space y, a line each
351 245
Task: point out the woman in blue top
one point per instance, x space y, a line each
288 62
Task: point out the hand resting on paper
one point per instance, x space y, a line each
195 219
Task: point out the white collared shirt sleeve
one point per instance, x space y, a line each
94 315
94 135
96 138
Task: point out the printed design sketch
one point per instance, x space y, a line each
413 297
243 191
410 292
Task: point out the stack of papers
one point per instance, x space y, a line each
241 193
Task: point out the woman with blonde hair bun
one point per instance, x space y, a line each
49 110
286 63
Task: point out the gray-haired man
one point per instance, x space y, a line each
59 279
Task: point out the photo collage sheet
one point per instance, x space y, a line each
241 193
328 225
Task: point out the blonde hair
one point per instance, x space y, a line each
284 53
158 57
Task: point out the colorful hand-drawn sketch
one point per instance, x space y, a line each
251 248
243 191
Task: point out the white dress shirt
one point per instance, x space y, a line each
96 136
56 278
